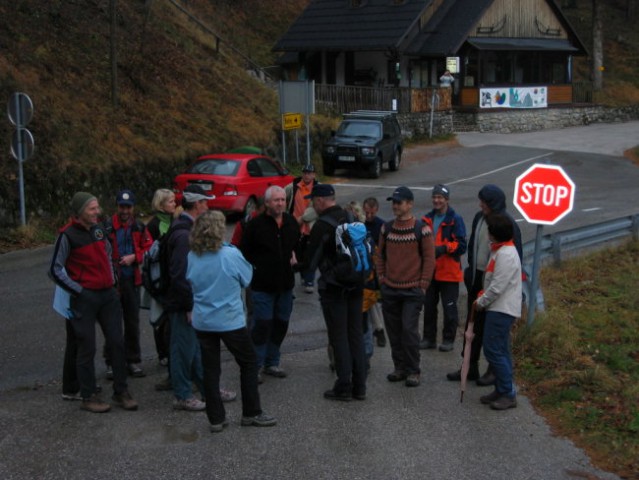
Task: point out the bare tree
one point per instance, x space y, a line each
597 45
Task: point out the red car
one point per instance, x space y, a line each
236 179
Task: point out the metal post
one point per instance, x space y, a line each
297 145
432 114
283 146
20 152
534 281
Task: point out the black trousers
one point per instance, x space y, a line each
343 316
130 300
449 293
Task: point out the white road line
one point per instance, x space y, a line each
454 182
594 209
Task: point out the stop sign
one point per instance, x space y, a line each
544 194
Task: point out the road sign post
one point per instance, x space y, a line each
20 113
544 194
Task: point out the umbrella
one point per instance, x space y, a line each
468 335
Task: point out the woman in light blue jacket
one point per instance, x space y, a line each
217 272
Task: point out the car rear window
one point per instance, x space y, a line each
216 166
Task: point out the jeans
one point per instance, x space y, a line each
238 342
402 308
102 306
343 316
449 292
271 314
186 358
497 350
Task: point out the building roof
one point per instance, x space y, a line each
337 25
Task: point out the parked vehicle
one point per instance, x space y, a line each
236 179
365 140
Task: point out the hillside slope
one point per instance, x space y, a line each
178 96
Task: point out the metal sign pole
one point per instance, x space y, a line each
20 154
534 281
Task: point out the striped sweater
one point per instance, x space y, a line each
399 264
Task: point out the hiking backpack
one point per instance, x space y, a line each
354 261
155 265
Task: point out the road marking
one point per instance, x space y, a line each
594 209
454 182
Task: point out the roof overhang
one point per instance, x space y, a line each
545 44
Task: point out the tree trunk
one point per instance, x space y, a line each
597 46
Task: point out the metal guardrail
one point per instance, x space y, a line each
556 246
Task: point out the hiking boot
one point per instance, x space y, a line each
190 405
359 395
227 395
261 420
124 400
135 370
218 427
487 379
488 399
412 380
427 345
396 376
341 396
446 346
380 337
504 403
70 397
109 373
274 371
94 404
164 385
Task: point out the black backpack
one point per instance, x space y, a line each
155 265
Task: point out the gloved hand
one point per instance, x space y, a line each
441 250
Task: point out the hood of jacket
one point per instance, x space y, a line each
494 197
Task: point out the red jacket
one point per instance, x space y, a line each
142 241
451 237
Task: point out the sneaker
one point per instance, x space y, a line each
380 337
427 345
227 395
218 427
396 376
334 395
446 346
274 371
412 380
190 405
261 420
109 372
164 361
125 401
71 396
488 399
135 370
504 402
308 288
164 385
94 404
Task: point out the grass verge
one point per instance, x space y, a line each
579 362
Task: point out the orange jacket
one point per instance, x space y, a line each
450 245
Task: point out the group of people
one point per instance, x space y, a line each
417 263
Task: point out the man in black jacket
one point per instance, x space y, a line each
268 243
341 307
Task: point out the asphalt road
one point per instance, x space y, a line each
396 433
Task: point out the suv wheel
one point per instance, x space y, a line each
393 164
328 168
376 168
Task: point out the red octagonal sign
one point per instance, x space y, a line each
544 194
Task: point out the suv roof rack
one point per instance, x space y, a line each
369 113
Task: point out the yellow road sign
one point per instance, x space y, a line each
291 121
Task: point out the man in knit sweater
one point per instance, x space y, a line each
405 268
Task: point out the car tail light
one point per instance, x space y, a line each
230 191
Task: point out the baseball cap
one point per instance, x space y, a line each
401 193
195 193
321 190
125 197
309 168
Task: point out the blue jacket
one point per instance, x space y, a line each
217 279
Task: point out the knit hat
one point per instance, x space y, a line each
442 190
80 201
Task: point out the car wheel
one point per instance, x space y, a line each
376 168
329 169
393 165
250 207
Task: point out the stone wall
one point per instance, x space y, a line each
512 121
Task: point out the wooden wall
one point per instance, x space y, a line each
520 19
